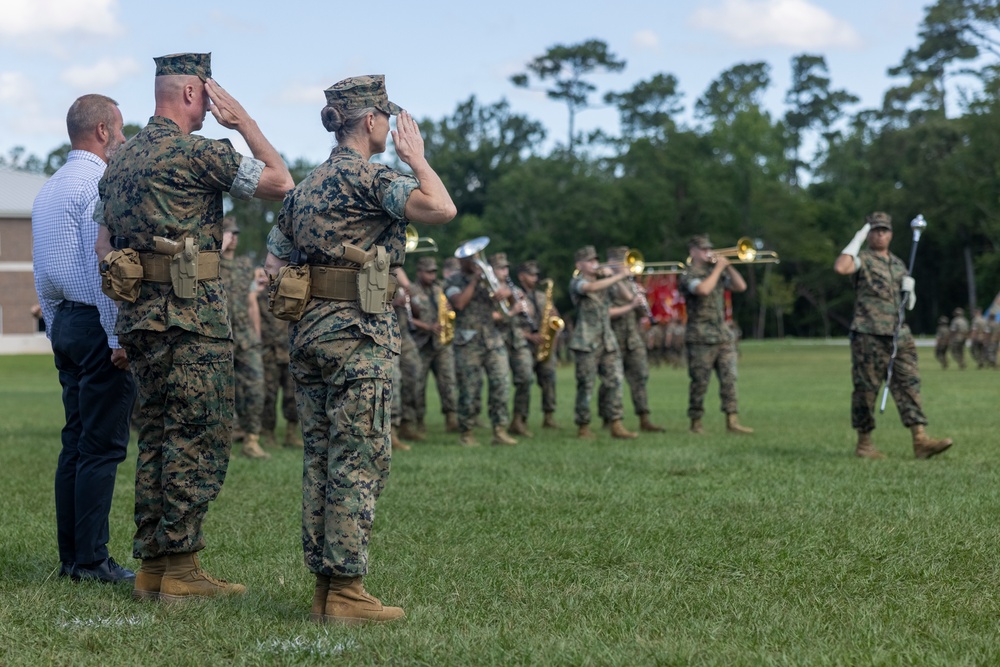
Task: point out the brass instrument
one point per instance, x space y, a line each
471 250
664 268
636 264
417 243
746 251
551 325
446 320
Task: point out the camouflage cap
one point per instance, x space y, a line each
361 92
617 253
530 266
188 64
958 312
451 263
585 253
229 225
700 241
880 220
427 264
943 319
499 260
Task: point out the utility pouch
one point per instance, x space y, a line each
184 271
373 282
288 294
121 275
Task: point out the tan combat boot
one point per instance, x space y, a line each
184 579
648 426
519 427
396 444
501 437
619 431
318 609
733 424
584 432
925 446
451 423
293 436
468 439
866 449
696 427
251 448
348 603
267 438
549 421
408 431
148 579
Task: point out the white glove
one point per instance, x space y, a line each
854 247
910 289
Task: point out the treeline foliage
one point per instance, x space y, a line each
802 181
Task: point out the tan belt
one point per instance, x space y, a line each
341 284
156 267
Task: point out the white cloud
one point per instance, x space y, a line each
646 40
303 93
795 23
103 74
28 19
16 90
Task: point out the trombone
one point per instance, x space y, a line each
417 243
664 268
746 251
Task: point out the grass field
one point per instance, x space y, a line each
778 548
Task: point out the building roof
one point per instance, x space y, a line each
18 190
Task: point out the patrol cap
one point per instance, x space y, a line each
880 220
499 260
361 92
943 319
188 64
530 266
229 225
451 263
700 241
427 264
958 312
617 253
585 253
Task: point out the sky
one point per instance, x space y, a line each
276 58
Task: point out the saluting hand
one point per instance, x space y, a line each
227 111
406 137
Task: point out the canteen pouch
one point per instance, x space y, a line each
373 282
121 275
289 292
184 271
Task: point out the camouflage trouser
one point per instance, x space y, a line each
958 353
977 350
941 354
404 402
545 373
608 365
185 423
249 369
869 366
343 390
702 360
635 364
471 359
277 377
522 364
442 363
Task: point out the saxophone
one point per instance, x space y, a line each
551 325
446 320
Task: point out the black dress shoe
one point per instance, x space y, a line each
106 571
66 569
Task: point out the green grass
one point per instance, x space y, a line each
775 549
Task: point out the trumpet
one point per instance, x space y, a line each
417 243
471 250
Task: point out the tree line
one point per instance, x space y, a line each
802 180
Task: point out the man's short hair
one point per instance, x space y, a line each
87 112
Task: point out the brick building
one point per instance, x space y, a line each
17 285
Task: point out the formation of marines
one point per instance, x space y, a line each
981 336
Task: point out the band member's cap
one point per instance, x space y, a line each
958 312
229 225
585 253
617 253
943 319
361 92
880 220
187 64
700 241
427 264
499 260
531 266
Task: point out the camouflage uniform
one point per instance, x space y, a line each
959 333
544 371
878 285
238 275
518 349
166 183
941 338
978 336
404 404
596 350
434 357
635 360
341 357
711 345
274 356
478 347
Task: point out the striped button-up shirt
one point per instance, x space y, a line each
63 235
